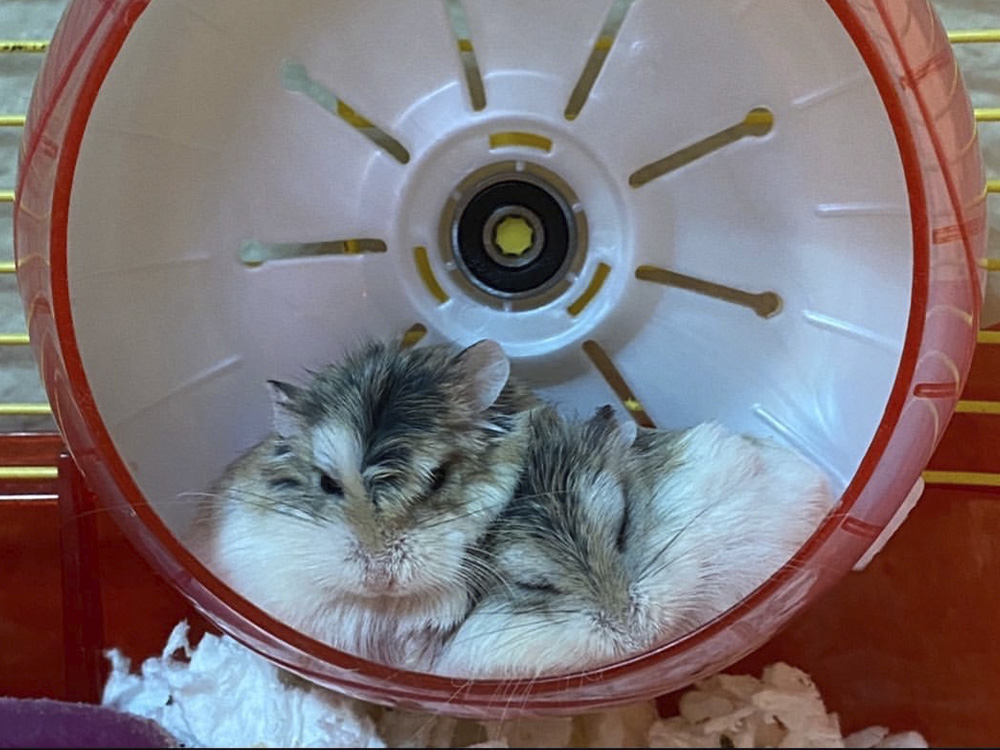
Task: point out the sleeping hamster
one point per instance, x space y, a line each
615 542
356 520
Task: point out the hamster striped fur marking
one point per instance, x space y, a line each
356 520
566 598
614 543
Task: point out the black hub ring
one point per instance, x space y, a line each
512 280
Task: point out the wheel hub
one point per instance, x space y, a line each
512 233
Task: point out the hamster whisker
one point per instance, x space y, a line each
475 585
645 570
220 497
197 495
481 579
460 516
424 741
99 508
532 627
515 683
546 495
286 507
663 564
479 571
280 506
666 563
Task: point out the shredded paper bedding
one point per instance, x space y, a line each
219 693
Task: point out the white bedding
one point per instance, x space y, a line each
217 693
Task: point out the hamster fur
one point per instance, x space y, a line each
729 511
614 542
356 521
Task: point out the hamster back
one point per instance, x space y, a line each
353 520
616 542
725 511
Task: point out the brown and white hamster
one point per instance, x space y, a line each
354 520
566 595
615 542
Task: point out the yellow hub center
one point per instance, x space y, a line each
513 235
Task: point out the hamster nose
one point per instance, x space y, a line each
380 548
379 576
382 571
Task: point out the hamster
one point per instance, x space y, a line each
619 539
356 520
729 510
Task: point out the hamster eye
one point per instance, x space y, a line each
623 530
538 587
438 477
329 485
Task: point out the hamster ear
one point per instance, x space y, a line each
544 417
605 416
625 430
484 369
283 395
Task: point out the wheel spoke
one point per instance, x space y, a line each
592 68
757 124
765 304
600 359
473 78
295 77
255 253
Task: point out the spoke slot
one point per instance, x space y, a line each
765 304
427 275
512 138
756 124
254 253
602 48
467 54
596 354
600 276
295 77
413 334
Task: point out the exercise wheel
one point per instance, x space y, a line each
764 212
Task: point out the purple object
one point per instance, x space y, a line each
49 723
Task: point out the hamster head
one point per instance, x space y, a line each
381 473
567 598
